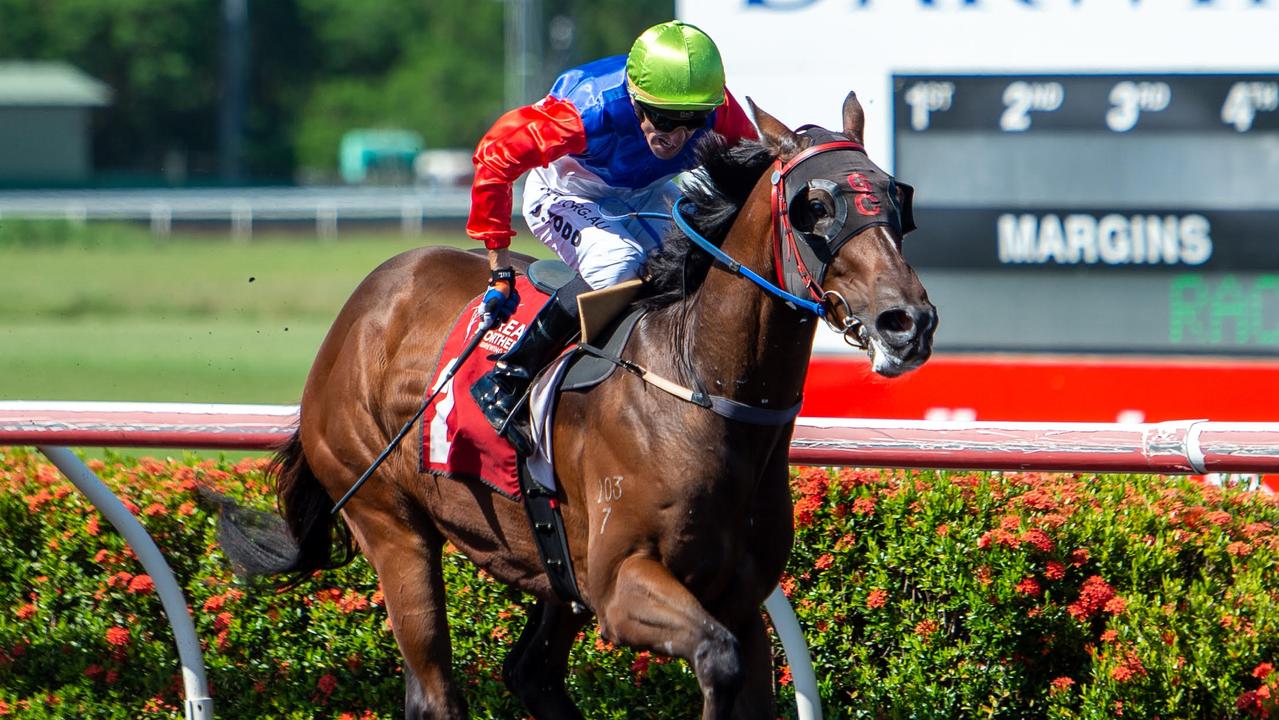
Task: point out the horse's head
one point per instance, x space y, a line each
838 224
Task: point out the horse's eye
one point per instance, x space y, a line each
818 209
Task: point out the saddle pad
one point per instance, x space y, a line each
457 441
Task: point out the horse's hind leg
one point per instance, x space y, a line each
534 669
407 557
648 608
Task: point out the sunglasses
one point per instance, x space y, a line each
669 120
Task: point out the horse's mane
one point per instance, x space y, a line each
720 184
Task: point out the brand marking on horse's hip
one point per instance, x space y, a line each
610 489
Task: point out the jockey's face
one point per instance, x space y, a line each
665 145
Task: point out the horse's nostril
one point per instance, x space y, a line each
895 323
902 325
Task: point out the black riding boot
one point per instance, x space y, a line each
500 390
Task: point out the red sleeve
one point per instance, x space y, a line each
731 121
522 139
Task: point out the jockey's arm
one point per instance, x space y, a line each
522 139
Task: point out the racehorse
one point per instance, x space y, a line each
679 519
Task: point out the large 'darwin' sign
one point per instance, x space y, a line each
1092 175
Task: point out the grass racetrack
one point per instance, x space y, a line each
106 312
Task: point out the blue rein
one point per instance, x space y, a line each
733 266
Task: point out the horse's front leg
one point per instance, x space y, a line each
646 607
756 701
535 668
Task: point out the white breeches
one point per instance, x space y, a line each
594 236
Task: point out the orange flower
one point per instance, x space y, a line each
924 628
1038 538
1029 586
1116 605
877 598
1093 596
352 602
1128 668
998 537
118 636
1262 671
1061 685
1054 570
327 684
26 611
141 584
824 562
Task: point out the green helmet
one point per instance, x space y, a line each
676 66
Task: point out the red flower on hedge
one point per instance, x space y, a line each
1039 539
864 505
1029 586
825 561
327 684
26 611
806 508
1093 596
877 598
1128 668
1061 685
141 584
925 628
998 537
1262 671
639 668
1054 570
118 636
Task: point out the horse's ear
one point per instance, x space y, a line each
854 118
776 135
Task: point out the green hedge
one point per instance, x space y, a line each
922 595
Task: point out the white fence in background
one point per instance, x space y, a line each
241 208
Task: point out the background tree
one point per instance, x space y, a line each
317 68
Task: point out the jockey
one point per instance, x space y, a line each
608 140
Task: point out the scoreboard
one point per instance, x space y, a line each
1125 212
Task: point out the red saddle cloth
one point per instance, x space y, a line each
457 440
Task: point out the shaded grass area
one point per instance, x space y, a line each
193 359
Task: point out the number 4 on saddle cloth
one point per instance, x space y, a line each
457 441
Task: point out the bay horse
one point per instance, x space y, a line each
697 525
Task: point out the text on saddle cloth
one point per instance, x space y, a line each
457 441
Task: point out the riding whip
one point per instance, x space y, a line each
490 319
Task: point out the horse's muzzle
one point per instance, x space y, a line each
903 338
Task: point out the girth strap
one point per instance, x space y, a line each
722 406
552 541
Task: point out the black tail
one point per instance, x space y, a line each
306 539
